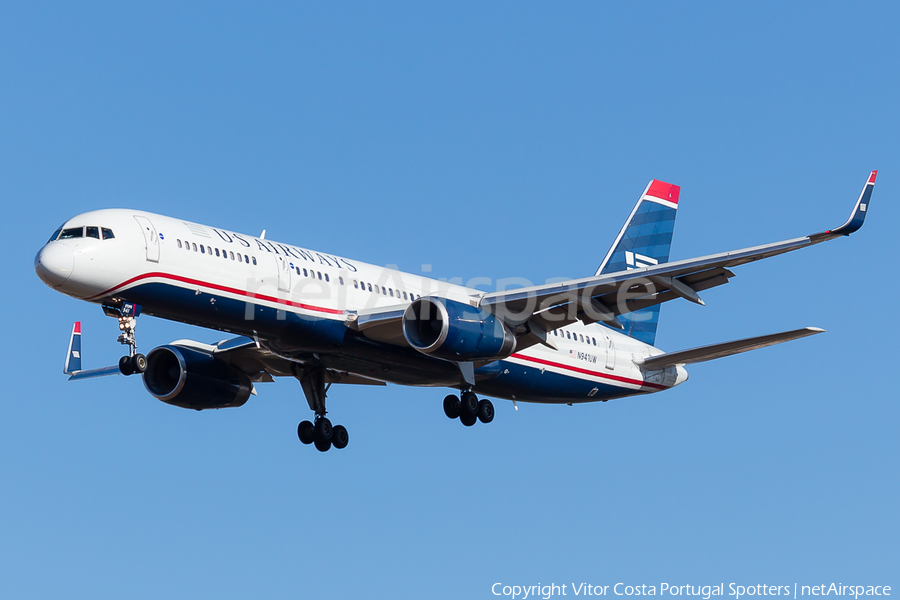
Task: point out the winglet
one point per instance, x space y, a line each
73 356
858 216
73 360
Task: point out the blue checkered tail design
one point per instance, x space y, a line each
644 240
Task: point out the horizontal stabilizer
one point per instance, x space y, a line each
714 351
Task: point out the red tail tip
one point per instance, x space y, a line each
664 191
77 327
872 176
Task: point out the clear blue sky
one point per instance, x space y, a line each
487 139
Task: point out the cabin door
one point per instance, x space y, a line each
151 238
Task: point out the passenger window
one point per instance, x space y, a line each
580 338
297 269
305 273
107 233
179 244
254 260
202 249
594 340
240 258
217 251
341 280
391 292
68 234
568 336
326 277
55 233
404 295
355 284
231 254
195 247
209 250
320 275
93 232
370 287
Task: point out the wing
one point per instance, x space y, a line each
249 355
538 309
262 364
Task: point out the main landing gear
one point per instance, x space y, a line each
127 317
319 432
468 408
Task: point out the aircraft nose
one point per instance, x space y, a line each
54 263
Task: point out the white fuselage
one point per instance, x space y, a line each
251 286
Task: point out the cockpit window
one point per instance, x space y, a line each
75 232
107 233
55 233
93 232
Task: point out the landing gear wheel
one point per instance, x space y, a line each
138 363
125 366
339 437
468 420
324 430
306 432
323 445
451 406
468 405
485 411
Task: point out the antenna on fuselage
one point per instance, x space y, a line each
262 236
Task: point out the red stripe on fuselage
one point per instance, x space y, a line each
550 363
221 288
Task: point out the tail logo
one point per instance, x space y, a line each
636 261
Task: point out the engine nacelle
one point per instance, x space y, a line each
191 378
456 331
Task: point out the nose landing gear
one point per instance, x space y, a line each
127 316
468 408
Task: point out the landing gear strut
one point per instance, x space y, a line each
468 408
127 317
319 432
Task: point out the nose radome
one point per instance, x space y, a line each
53 264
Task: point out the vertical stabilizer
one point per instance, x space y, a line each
644 241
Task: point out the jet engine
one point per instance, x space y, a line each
192 378
456 331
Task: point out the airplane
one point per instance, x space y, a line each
327 320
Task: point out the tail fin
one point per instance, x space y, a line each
644 240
